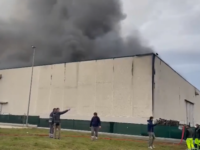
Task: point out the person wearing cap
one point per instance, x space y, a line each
189 135
150 128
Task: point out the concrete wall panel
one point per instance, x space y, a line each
14 86
44 91
142 87
71 75
122 87
57 86
86 100
171 91
87 73
104 87
118 89
104 99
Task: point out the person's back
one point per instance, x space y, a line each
95 122
198 133
190 133
56 117
56 120
189 137
57 114
196 136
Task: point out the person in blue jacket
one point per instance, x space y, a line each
150 128
95 125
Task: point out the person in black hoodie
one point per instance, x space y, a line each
57 121
197 137
150 129
189 135
51 123
95 125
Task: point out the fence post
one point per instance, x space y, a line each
111 127
169 131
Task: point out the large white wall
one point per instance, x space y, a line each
119 90
171 91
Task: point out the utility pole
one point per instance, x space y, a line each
29 100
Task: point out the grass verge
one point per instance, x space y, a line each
37 139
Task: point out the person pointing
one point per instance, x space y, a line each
57 121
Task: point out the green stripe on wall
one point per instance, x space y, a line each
108 127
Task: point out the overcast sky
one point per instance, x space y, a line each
171 27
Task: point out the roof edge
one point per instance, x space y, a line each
137 55
177 73
27 66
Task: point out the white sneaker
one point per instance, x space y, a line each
96 138
153 146
92 137
150 147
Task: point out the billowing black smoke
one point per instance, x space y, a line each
63 31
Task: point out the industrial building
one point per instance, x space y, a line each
123 90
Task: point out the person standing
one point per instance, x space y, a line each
57 121
150 128
95 125
197 137
51 123
189 135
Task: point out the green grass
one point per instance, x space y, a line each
19 139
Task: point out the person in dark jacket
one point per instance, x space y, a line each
189 135
95 125
150 129
197 137
57 121
51 123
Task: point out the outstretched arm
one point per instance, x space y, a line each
155 124
63 112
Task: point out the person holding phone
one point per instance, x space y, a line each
51 123
150 128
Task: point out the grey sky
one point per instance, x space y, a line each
171 27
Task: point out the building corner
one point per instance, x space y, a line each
153 82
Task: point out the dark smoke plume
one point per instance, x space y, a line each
63 31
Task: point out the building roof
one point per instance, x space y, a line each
178 73
26 66
139 55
